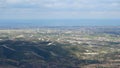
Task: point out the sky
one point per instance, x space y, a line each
59 9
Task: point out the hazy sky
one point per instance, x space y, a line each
60 9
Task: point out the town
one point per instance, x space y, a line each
53 47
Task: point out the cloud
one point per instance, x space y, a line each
38 14
13 1
60 8
88 4
2 3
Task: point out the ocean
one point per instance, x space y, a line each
58 22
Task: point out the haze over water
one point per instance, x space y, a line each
59 22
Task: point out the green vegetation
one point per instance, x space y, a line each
58 48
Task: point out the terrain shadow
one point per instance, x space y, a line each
39 54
